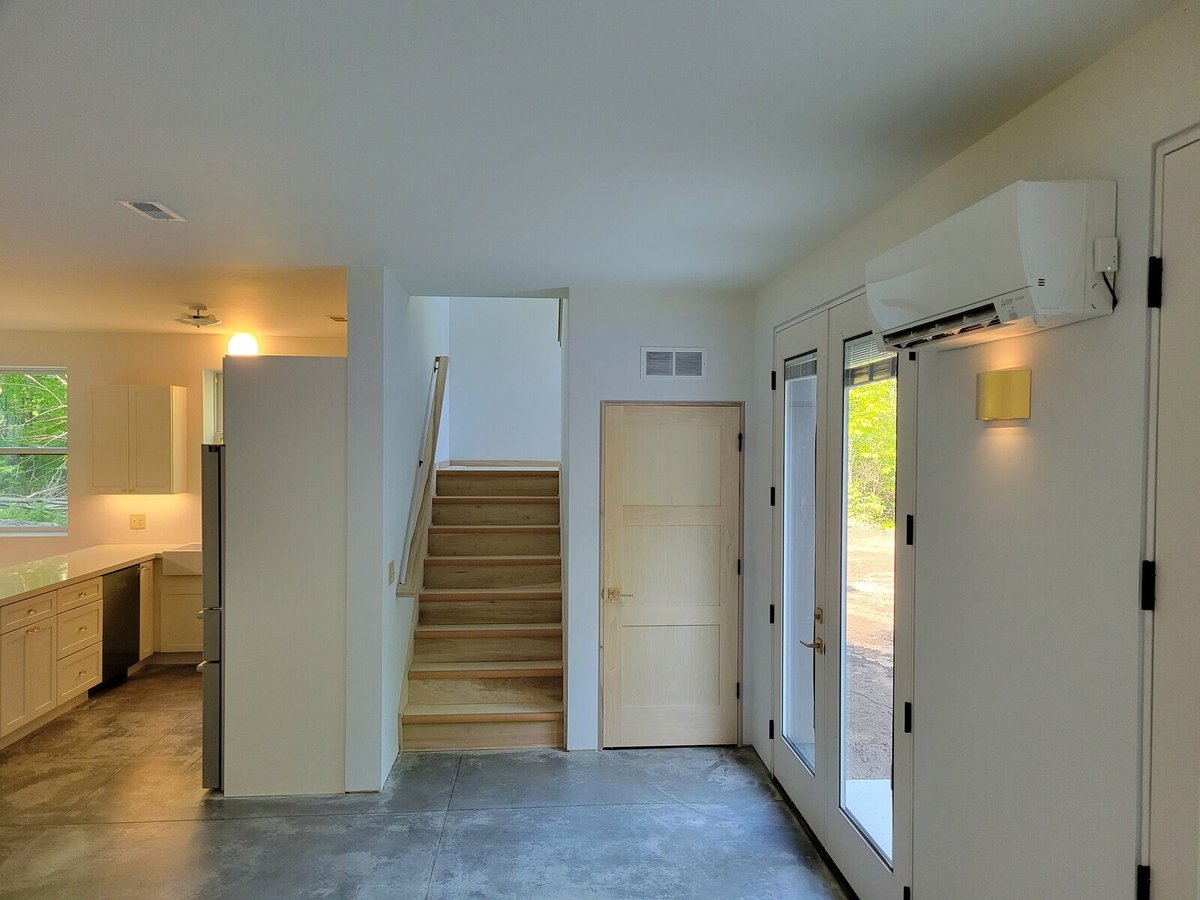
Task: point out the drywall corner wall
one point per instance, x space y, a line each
393 340
93 359
285 575
505 379
1027 681
605 333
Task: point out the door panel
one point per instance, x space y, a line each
671 538
845 433
1174 770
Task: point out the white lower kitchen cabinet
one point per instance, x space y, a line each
28 674
181 597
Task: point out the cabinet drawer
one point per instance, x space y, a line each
78 594
78 672
80 628
26 612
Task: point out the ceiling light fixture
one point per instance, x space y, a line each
199 316
242 344
153 210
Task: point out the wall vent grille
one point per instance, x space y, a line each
153 210
674 362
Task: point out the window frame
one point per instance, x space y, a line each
34 529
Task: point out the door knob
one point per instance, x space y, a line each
817 645
615 594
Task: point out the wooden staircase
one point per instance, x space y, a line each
487 668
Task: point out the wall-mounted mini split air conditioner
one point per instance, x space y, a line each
1018 261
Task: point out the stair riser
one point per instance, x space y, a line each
468 612
502 544
442 691
497 484
482 735
487 649
495 513
487 576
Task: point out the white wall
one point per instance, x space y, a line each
606 330
93 359
285 577
1027 698
393 340
505 379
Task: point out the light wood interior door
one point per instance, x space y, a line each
671 505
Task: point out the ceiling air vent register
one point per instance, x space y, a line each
153 210
674 362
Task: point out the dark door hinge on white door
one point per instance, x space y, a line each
739 690
771 730
772 614
739 442
1154 283
739 567
908 530
1142 883
772 379
907 717
907 892
772 495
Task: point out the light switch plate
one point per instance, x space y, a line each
137 521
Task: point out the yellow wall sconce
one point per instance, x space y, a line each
1002 395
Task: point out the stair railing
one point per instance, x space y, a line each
412 559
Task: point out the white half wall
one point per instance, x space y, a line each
606 329
393 340
505 380
1028 640
285 577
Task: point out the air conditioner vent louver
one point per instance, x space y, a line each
672 362
153 210
980 317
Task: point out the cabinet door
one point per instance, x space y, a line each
110 439
179 629
28 675
41 669
12 681
146 605
150 438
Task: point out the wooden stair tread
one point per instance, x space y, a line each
491 629
523 668
483 594
494 529
515 471
487 499
540 711
506 560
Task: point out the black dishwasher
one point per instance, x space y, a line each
122 621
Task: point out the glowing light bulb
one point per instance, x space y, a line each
242 344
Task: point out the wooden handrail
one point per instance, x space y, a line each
412 563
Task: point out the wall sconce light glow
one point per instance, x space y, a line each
1003 394
242 344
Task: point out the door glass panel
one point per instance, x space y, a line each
799 554
868 589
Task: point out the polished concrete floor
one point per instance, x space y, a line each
105 802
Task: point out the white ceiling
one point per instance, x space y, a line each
498 146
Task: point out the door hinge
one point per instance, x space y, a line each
739 567
1154 283
739 442
772 379
772 613
907 717
1142 883
772 495
912 355
907 892
771 730
1148 584
739 690
908 530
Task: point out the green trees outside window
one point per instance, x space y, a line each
33 450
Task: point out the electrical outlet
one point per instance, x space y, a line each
137 521
391 570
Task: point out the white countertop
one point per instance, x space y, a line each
40 575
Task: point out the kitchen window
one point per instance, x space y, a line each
33 451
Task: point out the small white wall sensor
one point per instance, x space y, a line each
1106 254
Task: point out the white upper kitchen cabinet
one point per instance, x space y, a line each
139 439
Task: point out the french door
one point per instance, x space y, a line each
844 471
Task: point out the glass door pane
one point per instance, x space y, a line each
868 590
799 555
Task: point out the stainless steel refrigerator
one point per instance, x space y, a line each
212 615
